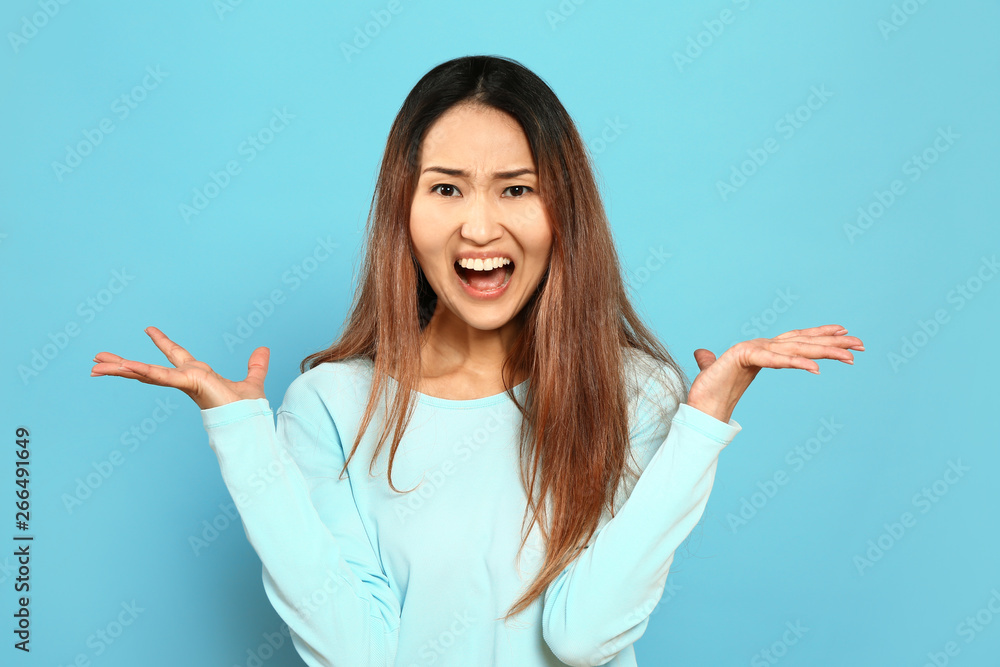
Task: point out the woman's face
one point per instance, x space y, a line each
477 197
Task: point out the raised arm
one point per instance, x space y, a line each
320 571
601 602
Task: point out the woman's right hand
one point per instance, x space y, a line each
195 378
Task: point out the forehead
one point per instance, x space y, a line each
476 138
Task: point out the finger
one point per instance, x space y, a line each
257 366
118 368
113 368
704 358
810 350
850 342
768 359
826 329
150 374
107 363
176 354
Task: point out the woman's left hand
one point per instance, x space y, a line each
722 381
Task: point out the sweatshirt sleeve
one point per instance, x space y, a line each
320 571
601 602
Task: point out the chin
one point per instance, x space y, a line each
486 322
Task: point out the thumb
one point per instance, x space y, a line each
705 358
257 366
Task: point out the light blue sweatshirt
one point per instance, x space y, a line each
364 575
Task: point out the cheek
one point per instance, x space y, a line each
540 238
531 226
422 236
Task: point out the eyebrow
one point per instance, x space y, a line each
513 173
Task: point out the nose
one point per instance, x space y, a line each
481 224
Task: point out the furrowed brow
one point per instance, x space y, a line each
513 173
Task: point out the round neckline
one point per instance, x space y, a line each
468 403
464 403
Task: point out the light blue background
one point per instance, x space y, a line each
733 587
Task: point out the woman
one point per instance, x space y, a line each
492 309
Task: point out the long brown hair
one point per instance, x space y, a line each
574 435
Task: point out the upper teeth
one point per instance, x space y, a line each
483 264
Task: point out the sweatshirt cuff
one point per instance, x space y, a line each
704 423
234 412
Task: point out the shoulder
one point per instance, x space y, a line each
655 389
312 394
321 405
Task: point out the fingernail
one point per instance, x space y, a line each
849 361
857 347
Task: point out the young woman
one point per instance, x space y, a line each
492 311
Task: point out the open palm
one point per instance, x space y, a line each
722 380
195 378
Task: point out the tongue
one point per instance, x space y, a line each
485 281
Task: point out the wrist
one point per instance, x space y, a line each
718 410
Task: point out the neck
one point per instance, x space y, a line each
451 347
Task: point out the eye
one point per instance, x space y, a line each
443 185
522 187
521 190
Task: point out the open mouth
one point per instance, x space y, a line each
485 281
